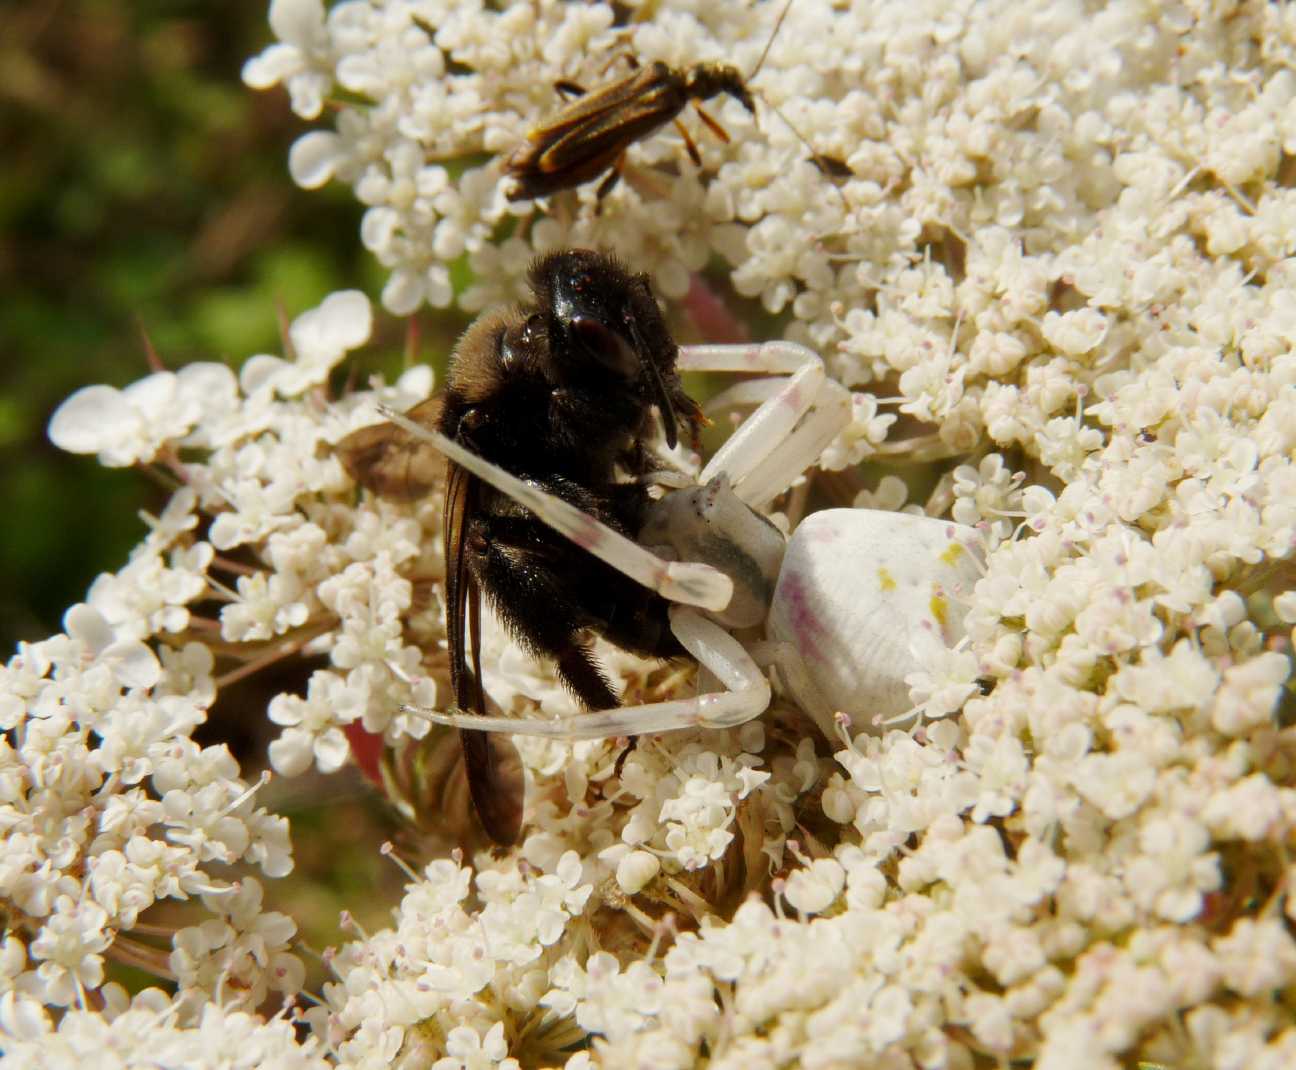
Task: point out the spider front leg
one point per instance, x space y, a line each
747 697
800 412
686 582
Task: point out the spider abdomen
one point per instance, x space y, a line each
867 597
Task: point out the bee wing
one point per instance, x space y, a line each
491 762
458 581
390 461
494 770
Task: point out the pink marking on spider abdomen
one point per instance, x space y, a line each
819 533
799 603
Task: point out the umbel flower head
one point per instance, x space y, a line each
1063 260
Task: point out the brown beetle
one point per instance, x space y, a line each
592 133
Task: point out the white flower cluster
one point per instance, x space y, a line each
108 804
458 966
1065 258
142 1031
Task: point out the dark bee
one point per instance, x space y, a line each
562 394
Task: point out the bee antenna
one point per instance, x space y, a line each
773 33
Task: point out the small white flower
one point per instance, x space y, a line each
320 338
268 605
1075 333
129 426
814 888
466 1050
1257 957
1248 693
132 663
67 948
302 61
313 726
635 870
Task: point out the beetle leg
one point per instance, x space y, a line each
569 89
609 183
691 148
711 124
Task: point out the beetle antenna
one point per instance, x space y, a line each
773 33
825 163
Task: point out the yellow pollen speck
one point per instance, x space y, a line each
952 553
939 609
886 580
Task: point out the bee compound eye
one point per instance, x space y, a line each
517 342
606 346
471 420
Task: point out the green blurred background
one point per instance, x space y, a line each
143 189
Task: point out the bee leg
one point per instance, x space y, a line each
747 695
539 597
578 670
800 412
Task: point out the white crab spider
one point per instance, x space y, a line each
854 602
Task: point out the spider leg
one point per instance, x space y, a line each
797 418
747 697
802 449
795 678
678 581
749 393
779 357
